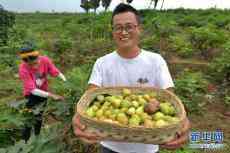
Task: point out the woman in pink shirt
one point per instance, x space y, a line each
33 72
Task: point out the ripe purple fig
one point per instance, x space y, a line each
152 106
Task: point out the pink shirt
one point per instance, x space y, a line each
36 77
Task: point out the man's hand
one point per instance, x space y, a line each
181 139
78 128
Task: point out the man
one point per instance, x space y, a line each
129 66
33 72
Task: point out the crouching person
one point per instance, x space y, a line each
33 72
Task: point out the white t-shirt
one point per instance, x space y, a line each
147 69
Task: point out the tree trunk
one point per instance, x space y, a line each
162 4
150 4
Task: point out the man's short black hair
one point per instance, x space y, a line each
122 8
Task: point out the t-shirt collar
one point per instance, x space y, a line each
129 59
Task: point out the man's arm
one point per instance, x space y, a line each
182 136
79 128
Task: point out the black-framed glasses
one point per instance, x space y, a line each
30 58
127 27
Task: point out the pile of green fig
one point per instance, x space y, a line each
133 110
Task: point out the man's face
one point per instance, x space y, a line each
126 30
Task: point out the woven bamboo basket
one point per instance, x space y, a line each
122 133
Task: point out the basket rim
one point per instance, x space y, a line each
81 113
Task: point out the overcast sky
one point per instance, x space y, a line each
74 5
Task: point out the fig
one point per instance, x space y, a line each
100 98
135 104
145 116
124 109
128 98
90 112
134 120
153 100
97 103
160 123
94 108
111 107
116 111
126 92
148 123
151 107
104 108
122 118
132 97
139 97
142 101
109 98
99 113
140 110
158 116
113 117
119 97
107 113
131 111
125 104
146 97
167 109
167 118
106 103
116 102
